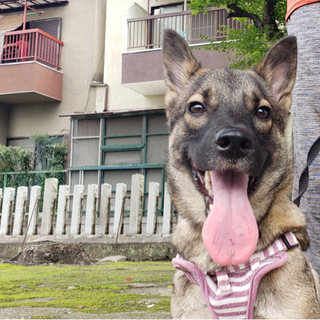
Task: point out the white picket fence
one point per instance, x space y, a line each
55 220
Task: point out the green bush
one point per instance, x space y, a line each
48 154
49 157
15 159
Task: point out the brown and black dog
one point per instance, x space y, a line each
230 174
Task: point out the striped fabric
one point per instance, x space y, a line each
231 293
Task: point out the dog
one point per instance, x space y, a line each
230 172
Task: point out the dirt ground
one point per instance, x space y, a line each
31 307
68 313
30 272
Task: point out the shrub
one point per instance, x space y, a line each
49 155
15 159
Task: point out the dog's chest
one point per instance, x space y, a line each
231 293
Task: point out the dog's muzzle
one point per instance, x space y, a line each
233 143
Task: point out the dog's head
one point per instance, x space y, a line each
227 152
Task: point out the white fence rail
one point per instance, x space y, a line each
83 218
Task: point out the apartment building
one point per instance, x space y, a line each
130 134
92 72
60 56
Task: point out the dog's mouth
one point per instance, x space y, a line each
203 182
230 232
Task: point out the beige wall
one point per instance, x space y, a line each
119 96
82 31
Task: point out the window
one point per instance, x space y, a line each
111 149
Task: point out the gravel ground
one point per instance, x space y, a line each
66 313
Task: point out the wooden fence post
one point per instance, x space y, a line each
49 201
92 196
33 214
121 190
152 208
7 208
21 201
136 200
76 210
167 212
0 197
104 220
63 201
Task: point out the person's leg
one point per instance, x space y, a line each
304 24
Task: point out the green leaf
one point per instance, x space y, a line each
248 45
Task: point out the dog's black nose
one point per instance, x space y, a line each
233 143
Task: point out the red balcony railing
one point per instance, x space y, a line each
32 45
147 32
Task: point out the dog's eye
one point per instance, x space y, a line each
263 113
196 108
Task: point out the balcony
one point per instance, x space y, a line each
30 67
142 64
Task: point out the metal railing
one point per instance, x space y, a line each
147 32
32 45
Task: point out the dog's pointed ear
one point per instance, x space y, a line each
278 68
178 61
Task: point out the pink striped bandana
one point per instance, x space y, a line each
231 293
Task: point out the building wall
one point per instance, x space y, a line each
119 96
95 36
82 31
123 94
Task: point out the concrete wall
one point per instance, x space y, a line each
82 31
31 79
147 65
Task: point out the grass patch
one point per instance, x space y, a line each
94 289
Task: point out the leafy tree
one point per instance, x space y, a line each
17 164
49 154
14 159
263 24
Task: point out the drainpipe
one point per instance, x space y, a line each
101 103
106 98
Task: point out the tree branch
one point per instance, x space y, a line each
237 12
269 20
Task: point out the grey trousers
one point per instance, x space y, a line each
304 24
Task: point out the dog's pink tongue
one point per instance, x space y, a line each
230 232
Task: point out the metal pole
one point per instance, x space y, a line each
23 28
25 15
184 19
148 25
